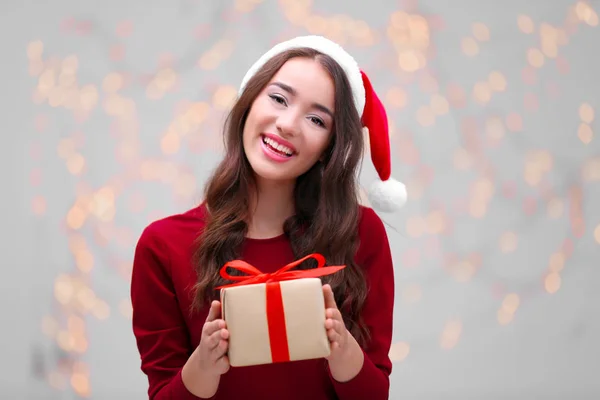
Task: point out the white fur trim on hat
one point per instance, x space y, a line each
387 196
325 46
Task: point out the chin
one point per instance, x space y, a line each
272 173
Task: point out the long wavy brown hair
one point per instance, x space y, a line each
326 198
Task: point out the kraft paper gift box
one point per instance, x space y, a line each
280 319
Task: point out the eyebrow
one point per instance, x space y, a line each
293 92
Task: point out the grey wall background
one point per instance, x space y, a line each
111 119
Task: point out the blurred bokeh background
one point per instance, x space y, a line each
112 115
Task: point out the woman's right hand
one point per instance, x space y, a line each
214 342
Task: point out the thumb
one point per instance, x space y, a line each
215 311
329 298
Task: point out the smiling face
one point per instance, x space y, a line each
290 122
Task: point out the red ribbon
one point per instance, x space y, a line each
275 312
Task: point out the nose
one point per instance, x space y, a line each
288 122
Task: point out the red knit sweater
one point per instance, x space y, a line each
166 332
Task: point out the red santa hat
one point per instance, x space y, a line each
387 194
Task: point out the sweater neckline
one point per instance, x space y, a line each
277 238
202 208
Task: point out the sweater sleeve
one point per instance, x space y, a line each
372 382
158 324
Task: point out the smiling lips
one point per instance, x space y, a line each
276 148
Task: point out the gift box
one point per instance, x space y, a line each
276 317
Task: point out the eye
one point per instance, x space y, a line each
317 121
278 99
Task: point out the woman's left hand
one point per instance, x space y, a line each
346 358
334 324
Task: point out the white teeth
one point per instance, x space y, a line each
277 146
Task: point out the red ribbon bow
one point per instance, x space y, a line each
275 311
282 274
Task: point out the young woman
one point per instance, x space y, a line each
286 187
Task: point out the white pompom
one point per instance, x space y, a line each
387 196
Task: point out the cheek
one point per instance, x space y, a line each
258 118
318 145
250 124
247 134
